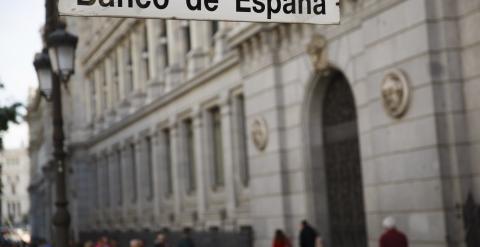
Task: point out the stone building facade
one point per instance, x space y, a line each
42 185
231 126
15 177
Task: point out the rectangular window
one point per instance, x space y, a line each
93 95
187 36
190 156
97 183
145 53
149 144
168 163
104 85
242 140
218 166
133 171
128 66
106 181
116 80
214 26
164 42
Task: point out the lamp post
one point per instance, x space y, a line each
52 70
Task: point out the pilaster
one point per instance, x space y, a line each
202 187
156 83
225 109
175 148
139 75
220 41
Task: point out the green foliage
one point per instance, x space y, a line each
7 114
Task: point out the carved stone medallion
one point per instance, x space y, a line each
260 133
317 50
395 93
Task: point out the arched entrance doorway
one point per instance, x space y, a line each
335 164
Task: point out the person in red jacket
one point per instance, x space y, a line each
280 240
392 237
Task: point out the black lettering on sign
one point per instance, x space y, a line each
271 9
290 8
319 9
212 7
143 5
301 8
196 6
160 6
259 6
106 3
240 8
85 2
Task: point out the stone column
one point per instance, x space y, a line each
228 155
107 178
88 100
139 77
126 185
100 188
198 56
99 93
121 71
157 187
220 39
124 77
175 54
240 166
176 158
93 192
202 187
106 185
112 179
130 184
139 163
155 53
109 83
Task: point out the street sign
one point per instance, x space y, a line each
287 11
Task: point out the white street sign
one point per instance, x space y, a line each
289 11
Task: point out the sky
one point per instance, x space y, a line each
20 24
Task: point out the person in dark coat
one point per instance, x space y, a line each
392 237
308 235
186 240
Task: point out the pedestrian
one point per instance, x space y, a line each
113 243
103 242
186 240
136 243
308 235
392 237
88 244
280 239
160 240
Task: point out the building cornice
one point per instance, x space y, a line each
109 39
203 77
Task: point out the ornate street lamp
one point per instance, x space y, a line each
44 72
52 70
61 49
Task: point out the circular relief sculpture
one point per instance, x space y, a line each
260 133
395 93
